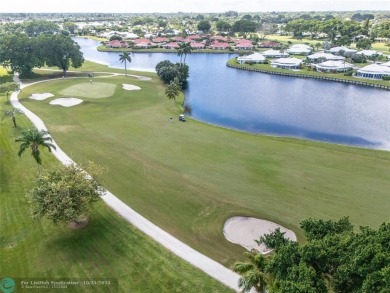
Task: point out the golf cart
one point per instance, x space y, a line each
182 118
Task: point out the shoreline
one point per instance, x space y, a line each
358 83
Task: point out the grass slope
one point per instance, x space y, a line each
108 247
188 178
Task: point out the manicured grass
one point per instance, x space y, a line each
188 178
87 89
109 247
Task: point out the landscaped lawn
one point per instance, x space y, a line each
188 178
109 247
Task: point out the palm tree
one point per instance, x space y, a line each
34 138
180 51
12 113
172 90
252 272
187 49
125 57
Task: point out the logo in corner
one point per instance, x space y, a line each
7 285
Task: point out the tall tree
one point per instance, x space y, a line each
172 90
11 114
34 138
60 51
9 87
125 57
66 194
253 272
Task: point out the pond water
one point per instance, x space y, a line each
268 104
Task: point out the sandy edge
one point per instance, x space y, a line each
41 97
130 87
66 102
244 230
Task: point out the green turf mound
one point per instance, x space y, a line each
94 90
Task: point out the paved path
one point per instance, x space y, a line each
206 264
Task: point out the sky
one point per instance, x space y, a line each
201 6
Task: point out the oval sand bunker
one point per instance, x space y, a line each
41 97
244 231
66 102
130 87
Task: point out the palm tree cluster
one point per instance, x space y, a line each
183 50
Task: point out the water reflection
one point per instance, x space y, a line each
263 103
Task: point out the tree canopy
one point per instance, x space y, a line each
66 194
334 258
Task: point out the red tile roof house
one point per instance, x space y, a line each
196 37
172 45
219 46
269 45
219 38
196 45
141 40
160 40
145 45
117 44
243 45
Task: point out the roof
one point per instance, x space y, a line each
252 57
288 61
338 49
327 56
331 64
369 53
298 50
375 68
219 45
274 53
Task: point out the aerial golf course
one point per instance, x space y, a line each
187 178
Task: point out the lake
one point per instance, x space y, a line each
268 104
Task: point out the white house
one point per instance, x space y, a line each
337 50
324 56
299 49
274 54
287 63
374 71
386 64
255 58
333 66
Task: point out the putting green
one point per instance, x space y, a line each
94 90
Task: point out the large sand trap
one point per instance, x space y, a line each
66 102
41 97
130 87
244 231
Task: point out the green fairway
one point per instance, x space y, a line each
108 247
188 178
88 89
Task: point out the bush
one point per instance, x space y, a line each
386 77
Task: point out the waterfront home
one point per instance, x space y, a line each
219 46
243 45
160 40
196 45
373 71
171 45
219 38
299 49
145 45
287 63
253 58
333 66
339 50
386 64
274 54
320 56
117 44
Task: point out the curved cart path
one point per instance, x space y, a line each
204 263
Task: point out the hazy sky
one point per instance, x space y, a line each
130 6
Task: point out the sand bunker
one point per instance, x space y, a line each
244 231
41 97
66 102
130 87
